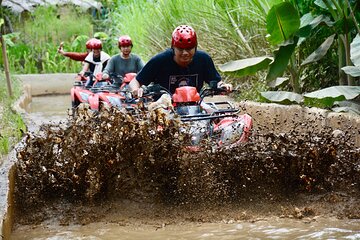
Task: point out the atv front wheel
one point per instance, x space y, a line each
75 103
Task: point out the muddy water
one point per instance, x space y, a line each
294 185
273 229
52 108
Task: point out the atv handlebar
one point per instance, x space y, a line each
212 91
156 89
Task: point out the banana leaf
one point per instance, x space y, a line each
247 66
282 22
282 97
325 98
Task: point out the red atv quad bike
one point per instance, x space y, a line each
79 93
126 80
218 121
100 93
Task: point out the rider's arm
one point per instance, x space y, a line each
72 55
110 68
134 86
75 55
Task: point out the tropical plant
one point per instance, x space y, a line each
288 31
354 71
32 48
226 29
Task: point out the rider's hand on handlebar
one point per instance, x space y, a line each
82 73
105 76
138 92
226 86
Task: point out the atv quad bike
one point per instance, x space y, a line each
102 93
218 121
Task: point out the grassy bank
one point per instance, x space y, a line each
11 123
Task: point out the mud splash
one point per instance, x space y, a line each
116 158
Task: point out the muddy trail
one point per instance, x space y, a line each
124 168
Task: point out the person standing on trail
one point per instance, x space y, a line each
95 61
182 64
123 63
77 56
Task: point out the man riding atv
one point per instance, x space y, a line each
121 64
182 71
181 65
95 62
77 56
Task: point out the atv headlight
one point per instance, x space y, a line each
232 132
188 110
114 101
199 130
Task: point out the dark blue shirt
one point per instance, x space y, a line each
162 69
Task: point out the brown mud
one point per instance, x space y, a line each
120 168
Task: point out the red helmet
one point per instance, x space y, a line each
89 43
184 37
96 44
124 41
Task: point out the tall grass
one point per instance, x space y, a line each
11 123
34 50
226 29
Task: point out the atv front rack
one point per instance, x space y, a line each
221 110
214 115
221 105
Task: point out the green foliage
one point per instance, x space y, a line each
286 31
281 61
226 29
324 98
101 35
48 24
354 56
12 128
33 49
11 123
217 25
283 21
79 42
325 72
282 97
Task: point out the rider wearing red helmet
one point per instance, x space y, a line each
125 41
184 37
96 44
182 64
76 55
89 43
96 60
125 62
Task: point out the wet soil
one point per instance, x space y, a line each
137 169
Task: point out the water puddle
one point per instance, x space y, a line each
274 229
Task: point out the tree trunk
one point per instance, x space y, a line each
342 62
4 55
